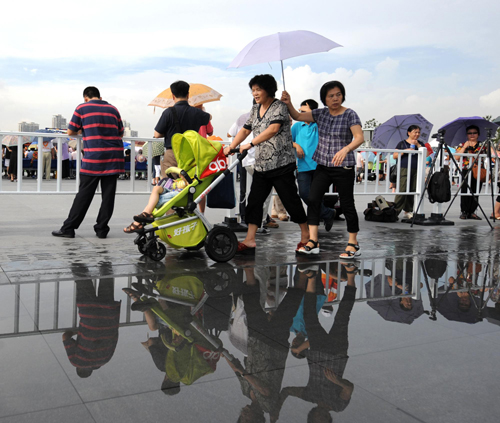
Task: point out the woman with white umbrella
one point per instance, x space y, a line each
274 160
339 130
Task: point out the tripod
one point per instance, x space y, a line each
440 219
487 143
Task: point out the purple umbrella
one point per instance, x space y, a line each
455 130
281 46
390 133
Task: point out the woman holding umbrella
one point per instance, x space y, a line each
468 203
339 130
274 160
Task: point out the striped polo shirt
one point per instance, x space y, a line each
97 335
102 130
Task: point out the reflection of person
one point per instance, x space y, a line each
468 203
102 130
274 160
339 131
178 119
405 202
305 141
326 354
97 334
267 349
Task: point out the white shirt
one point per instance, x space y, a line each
249 160
47 146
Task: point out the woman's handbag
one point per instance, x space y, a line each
222 196
393 174
482 174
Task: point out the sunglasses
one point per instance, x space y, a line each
472 133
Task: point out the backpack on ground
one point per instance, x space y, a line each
381 211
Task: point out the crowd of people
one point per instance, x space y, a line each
300 161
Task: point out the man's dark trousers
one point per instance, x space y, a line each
81 204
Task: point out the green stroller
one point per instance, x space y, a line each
203 165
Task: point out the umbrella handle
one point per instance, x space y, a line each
283 75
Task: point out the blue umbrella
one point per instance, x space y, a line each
448 306
390 309
390 133
455 130
44 131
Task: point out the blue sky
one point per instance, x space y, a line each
434 58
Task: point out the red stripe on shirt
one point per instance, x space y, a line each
104 149
95 316
102 161
100 172
97 338
87 115
100 125
99 328
100 137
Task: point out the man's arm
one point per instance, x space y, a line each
158 135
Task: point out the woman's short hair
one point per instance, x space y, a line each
413 128
473 127
312 104
265 82
330 86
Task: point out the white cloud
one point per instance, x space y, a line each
491 100
387 66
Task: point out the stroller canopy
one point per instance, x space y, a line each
192 150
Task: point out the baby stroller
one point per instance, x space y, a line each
203 165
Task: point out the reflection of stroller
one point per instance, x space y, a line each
199 161
194 351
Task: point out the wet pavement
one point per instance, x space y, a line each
409 334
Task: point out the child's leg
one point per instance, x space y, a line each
153 199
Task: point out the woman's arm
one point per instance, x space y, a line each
358 139
301 117
241 136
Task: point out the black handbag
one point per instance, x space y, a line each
222 196
393 174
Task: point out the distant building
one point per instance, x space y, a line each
130 133
59 122
28 127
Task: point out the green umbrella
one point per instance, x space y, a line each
158 149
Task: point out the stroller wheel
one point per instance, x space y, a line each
219 280
221 244
157 252
141 245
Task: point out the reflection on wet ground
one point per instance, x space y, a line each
399 338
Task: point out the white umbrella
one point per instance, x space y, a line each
281 46
10 140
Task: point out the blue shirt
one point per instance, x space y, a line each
307 137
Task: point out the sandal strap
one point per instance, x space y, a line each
356 246
315 245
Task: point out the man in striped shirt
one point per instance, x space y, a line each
101 127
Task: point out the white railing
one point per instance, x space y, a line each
71 187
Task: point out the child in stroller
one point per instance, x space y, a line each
165 190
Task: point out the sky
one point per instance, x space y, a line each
431 57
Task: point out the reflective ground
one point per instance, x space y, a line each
410 333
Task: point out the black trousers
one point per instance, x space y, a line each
335 341
81 204
343 179
285 186
468 204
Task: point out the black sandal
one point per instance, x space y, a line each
351 254
144 218
308 250
133 228
353 269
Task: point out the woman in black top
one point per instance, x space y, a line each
407 170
